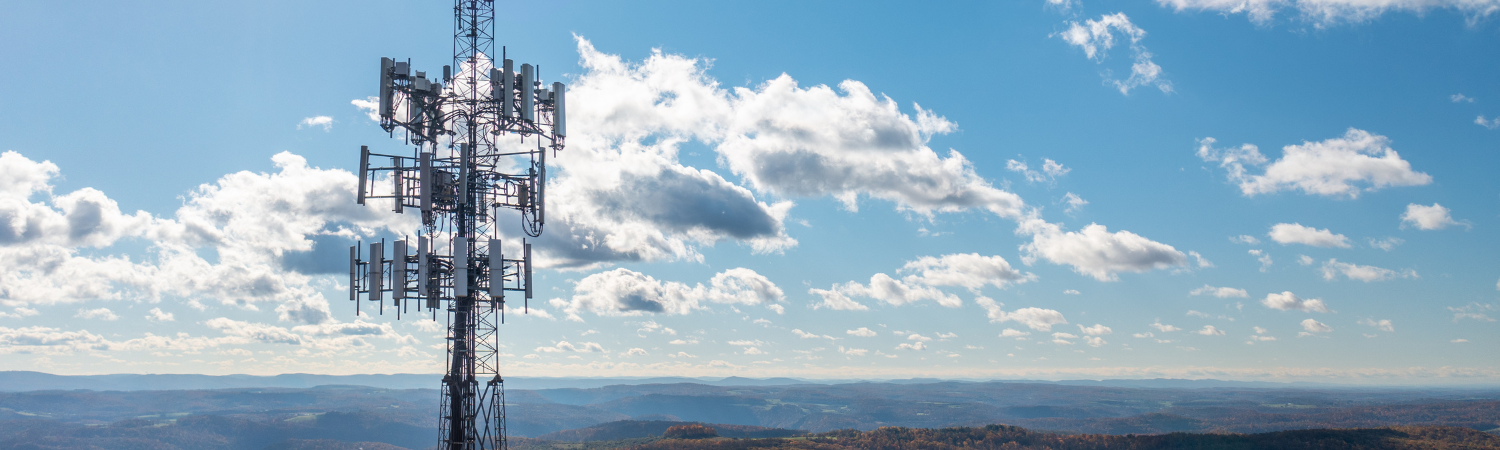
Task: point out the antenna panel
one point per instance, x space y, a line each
386 65
559 116
422 274
497 270
398 271
364 170
508 82
396 176
373 276
460 266
353 271
527 246
495 85
541 190
528 102
403 69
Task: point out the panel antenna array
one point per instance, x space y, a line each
481 137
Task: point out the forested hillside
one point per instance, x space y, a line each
253 419
999 437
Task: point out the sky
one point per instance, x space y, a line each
1266 190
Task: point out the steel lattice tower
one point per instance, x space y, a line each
481 137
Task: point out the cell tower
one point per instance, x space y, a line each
481 137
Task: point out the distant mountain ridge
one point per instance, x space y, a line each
21 381
813 407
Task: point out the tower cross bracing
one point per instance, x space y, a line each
479 138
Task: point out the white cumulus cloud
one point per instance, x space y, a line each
1474 310
1296 233
835 300
1074 202
1323 13
1386 243
1097 36
967 270
806 335
97 313
1220 292
565 346
1383 324
1096 330
1333 268
316 121
47 340
915 346
1313 326
1344 166
1062 338
853 351
1435 217
157 315
1095 251
266 230
1049 173
1288 301
923 278
623 292
1263 257
1164 327
620 193
1035 318
892 291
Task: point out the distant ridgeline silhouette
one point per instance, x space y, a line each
20 381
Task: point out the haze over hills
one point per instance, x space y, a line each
778 403
77 412
20 381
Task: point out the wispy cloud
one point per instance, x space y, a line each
316 121
1097 36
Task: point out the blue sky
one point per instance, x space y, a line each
1274 190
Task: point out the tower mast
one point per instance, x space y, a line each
479 119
